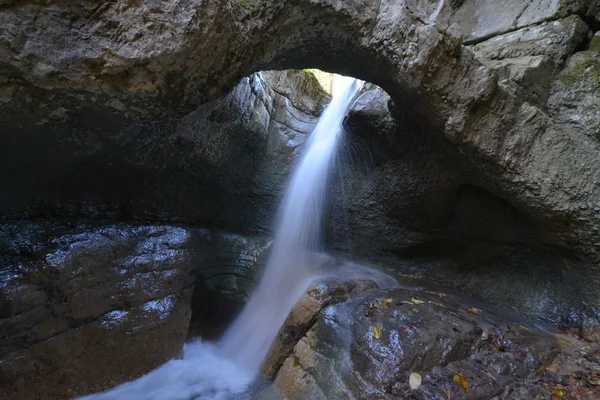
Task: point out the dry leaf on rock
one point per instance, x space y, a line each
376 332
461 381
414 381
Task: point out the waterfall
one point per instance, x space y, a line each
288 273
229 368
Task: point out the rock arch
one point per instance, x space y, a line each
127 61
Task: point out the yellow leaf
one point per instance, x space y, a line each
407 302
417 301
472 311
415 310
558 393
414 381
296 362
386 302
376 332
461 381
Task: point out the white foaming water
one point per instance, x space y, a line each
288 273
202 374
227 370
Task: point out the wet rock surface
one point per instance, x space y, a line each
304 315
409 202
85 306
366 348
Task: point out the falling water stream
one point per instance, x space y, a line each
228 368
288 272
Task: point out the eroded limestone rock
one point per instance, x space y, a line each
527 59
575 93
481 19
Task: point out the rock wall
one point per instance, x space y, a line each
410 203
229 155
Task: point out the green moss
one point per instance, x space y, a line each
595 44
574 73
245 3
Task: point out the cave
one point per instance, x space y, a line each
146 151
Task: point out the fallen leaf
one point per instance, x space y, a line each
407 302
594 381
415 310
558 393
296 362
417 301
376 332
369 313
386 302
414 381
471 311
461 381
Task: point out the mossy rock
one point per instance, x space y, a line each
584 69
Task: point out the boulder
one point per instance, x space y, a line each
303 316
460 349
